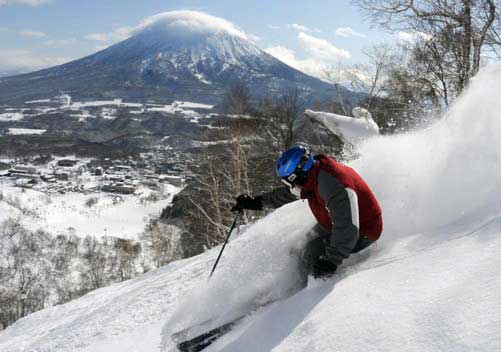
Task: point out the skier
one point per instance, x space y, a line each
348 214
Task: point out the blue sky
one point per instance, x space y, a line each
305 34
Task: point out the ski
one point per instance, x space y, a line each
185 343
200 342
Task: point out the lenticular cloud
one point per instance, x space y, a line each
188 22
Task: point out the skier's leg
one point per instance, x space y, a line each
313 249
362 243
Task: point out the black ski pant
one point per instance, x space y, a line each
316 247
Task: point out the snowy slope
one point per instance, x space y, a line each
431 284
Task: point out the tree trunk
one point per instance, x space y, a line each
467 41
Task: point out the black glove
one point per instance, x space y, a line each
323 269
246 202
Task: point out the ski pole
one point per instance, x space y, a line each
224 244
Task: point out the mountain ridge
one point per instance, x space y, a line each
168 58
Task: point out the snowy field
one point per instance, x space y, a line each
11 116
430 284
21 131
123 216
108 109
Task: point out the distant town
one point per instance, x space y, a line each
69 174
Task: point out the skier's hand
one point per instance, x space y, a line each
246 202
323 269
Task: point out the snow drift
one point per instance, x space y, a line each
430 285
352 130
450 172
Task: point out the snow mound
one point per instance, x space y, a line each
438 298
449 172
261 265
188 23
352 130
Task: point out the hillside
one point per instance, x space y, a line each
430 284
178 55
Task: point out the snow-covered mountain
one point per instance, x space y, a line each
6 73
430 284
182 55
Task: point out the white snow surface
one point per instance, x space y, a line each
182 107
123 216
114 102
11 116
19 131
430 284
38 101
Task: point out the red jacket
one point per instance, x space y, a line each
371 221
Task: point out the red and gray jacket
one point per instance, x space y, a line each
342 203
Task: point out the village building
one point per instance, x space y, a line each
67 162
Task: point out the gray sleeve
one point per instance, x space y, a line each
278 197
343 208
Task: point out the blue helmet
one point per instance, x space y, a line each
294 161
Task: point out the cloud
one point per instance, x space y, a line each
310 66
347 32
59 42
253 37
101 47
116 35
98 37
321 49
299 27
188 23
28 33
24 60
321 56
179 23
411 36
23 2
303 28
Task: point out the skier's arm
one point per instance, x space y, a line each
278 197
342 204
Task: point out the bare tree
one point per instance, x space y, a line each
162 242
335 75
471 21
223 169
371 78
210 205
282 114
434 59
237 100
95 264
